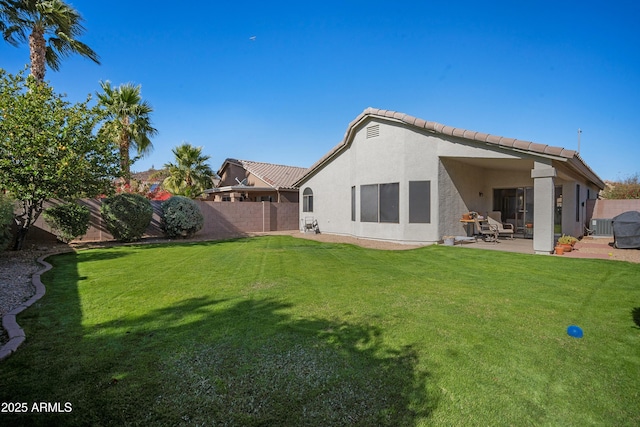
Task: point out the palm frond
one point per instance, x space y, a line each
56 23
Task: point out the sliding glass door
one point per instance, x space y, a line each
515 205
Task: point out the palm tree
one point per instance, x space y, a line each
51 28
190 175
127 122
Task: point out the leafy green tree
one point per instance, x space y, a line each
190 175
51 28
127 122
48 148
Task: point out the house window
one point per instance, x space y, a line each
389 203
307 200
369 203
353 203
578 203
420 202
380 203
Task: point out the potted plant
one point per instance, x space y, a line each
559 250
567 242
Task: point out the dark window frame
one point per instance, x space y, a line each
380 203
307 200
419 202
353 203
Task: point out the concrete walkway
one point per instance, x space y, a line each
588 247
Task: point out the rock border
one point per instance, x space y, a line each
14 331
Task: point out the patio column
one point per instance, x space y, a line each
543 175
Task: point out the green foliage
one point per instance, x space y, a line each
126 216
7 205
50 28
181 217
127 122
69 221
567 240
48 148
190 175
628 188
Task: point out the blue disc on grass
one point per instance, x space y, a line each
574 331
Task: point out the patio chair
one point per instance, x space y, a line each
311 224
502 228
487 231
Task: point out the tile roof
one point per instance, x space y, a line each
277 176
492 140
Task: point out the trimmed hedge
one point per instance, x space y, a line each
181 217
126 216
69 221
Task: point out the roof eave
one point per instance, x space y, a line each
511 144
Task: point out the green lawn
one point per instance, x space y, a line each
277 331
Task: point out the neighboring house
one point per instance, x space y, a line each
396 177
244 180
147 183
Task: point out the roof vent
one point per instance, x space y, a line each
373 131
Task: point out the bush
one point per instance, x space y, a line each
628 188
126 216
181 217
69 221
6 220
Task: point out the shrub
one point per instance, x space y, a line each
126 216
181 217
69 221
6 220
628 188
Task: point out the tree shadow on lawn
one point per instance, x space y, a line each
215 362
250 363
635 314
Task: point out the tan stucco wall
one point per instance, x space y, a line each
463 176
402 155
233 171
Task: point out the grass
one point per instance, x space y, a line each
282 331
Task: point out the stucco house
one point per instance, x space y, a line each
400 178
246 180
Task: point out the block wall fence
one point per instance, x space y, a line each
221 220
606 209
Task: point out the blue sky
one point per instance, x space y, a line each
535 71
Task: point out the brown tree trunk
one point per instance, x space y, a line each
38 50
124 151
30 213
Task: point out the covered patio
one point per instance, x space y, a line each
538 196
